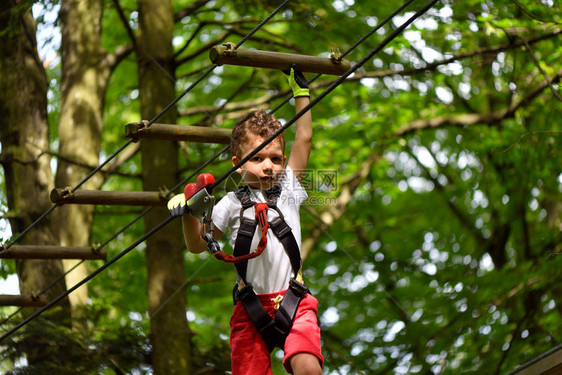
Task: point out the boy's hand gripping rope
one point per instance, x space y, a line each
195 200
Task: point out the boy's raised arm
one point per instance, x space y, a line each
300 152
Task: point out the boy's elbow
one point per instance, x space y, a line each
304 138
196 248
195 251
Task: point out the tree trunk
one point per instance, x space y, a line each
24 133
170 333
84 80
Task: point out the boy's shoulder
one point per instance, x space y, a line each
229 199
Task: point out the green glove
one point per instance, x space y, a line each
298 83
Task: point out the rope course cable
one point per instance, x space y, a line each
286 100
152 121
330 88
375 29
116 234
175 101
87 278
154 230
360 41
111 157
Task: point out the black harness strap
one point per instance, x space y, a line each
284 234
273 331
288 308
243 243
245 232
261 319
243 195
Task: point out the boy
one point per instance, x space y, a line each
266 278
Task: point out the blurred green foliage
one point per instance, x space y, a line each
446 260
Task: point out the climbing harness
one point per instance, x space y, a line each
273 330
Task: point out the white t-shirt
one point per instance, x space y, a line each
271 271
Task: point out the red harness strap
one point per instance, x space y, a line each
261 217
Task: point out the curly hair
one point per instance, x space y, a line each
255 123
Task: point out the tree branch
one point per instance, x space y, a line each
264 100
191 38
190 9
111 60
435 65
329 336
514 335
123 157
517 289
474 118
212 116
538 64
528 13
285 44
237 31
461 216
125 22
110 169
204 48
464 101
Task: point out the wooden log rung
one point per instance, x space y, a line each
167 132
112 198
549 363
22 300
226 55
52 252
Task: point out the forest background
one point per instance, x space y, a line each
432 231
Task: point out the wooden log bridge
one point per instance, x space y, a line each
114 198
226 54
52 252
167 132
23 300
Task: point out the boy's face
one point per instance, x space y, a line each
264 168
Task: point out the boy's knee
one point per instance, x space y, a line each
305 364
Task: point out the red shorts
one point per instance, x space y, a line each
250 355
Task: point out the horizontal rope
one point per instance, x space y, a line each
330 88
161 225
154 119
232 170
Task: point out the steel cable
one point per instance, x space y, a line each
330 88
221 179
116 234
286 100
154 119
